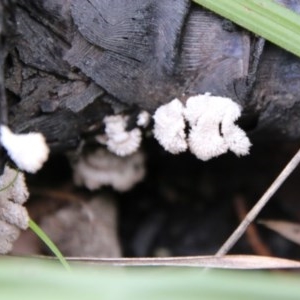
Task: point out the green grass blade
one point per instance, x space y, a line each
266 18
35 280
44 237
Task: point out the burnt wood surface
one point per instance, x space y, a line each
70 63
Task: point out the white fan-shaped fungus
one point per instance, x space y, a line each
102 168
235 137
213 131
13 186
8 235
118 140
13 216
28 151
205 144
169 127
212 128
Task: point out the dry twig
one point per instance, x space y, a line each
253 237
252 214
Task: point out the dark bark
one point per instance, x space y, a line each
73 62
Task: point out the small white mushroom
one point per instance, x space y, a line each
28 151
117 139
169 127
102 168
213 131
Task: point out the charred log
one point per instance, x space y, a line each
74 62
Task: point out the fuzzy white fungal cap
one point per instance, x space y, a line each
120 141
143 119
101 168
28 151
235 137
213 131
206 144
169 127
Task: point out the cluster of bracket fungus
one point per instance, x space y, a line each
212 127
